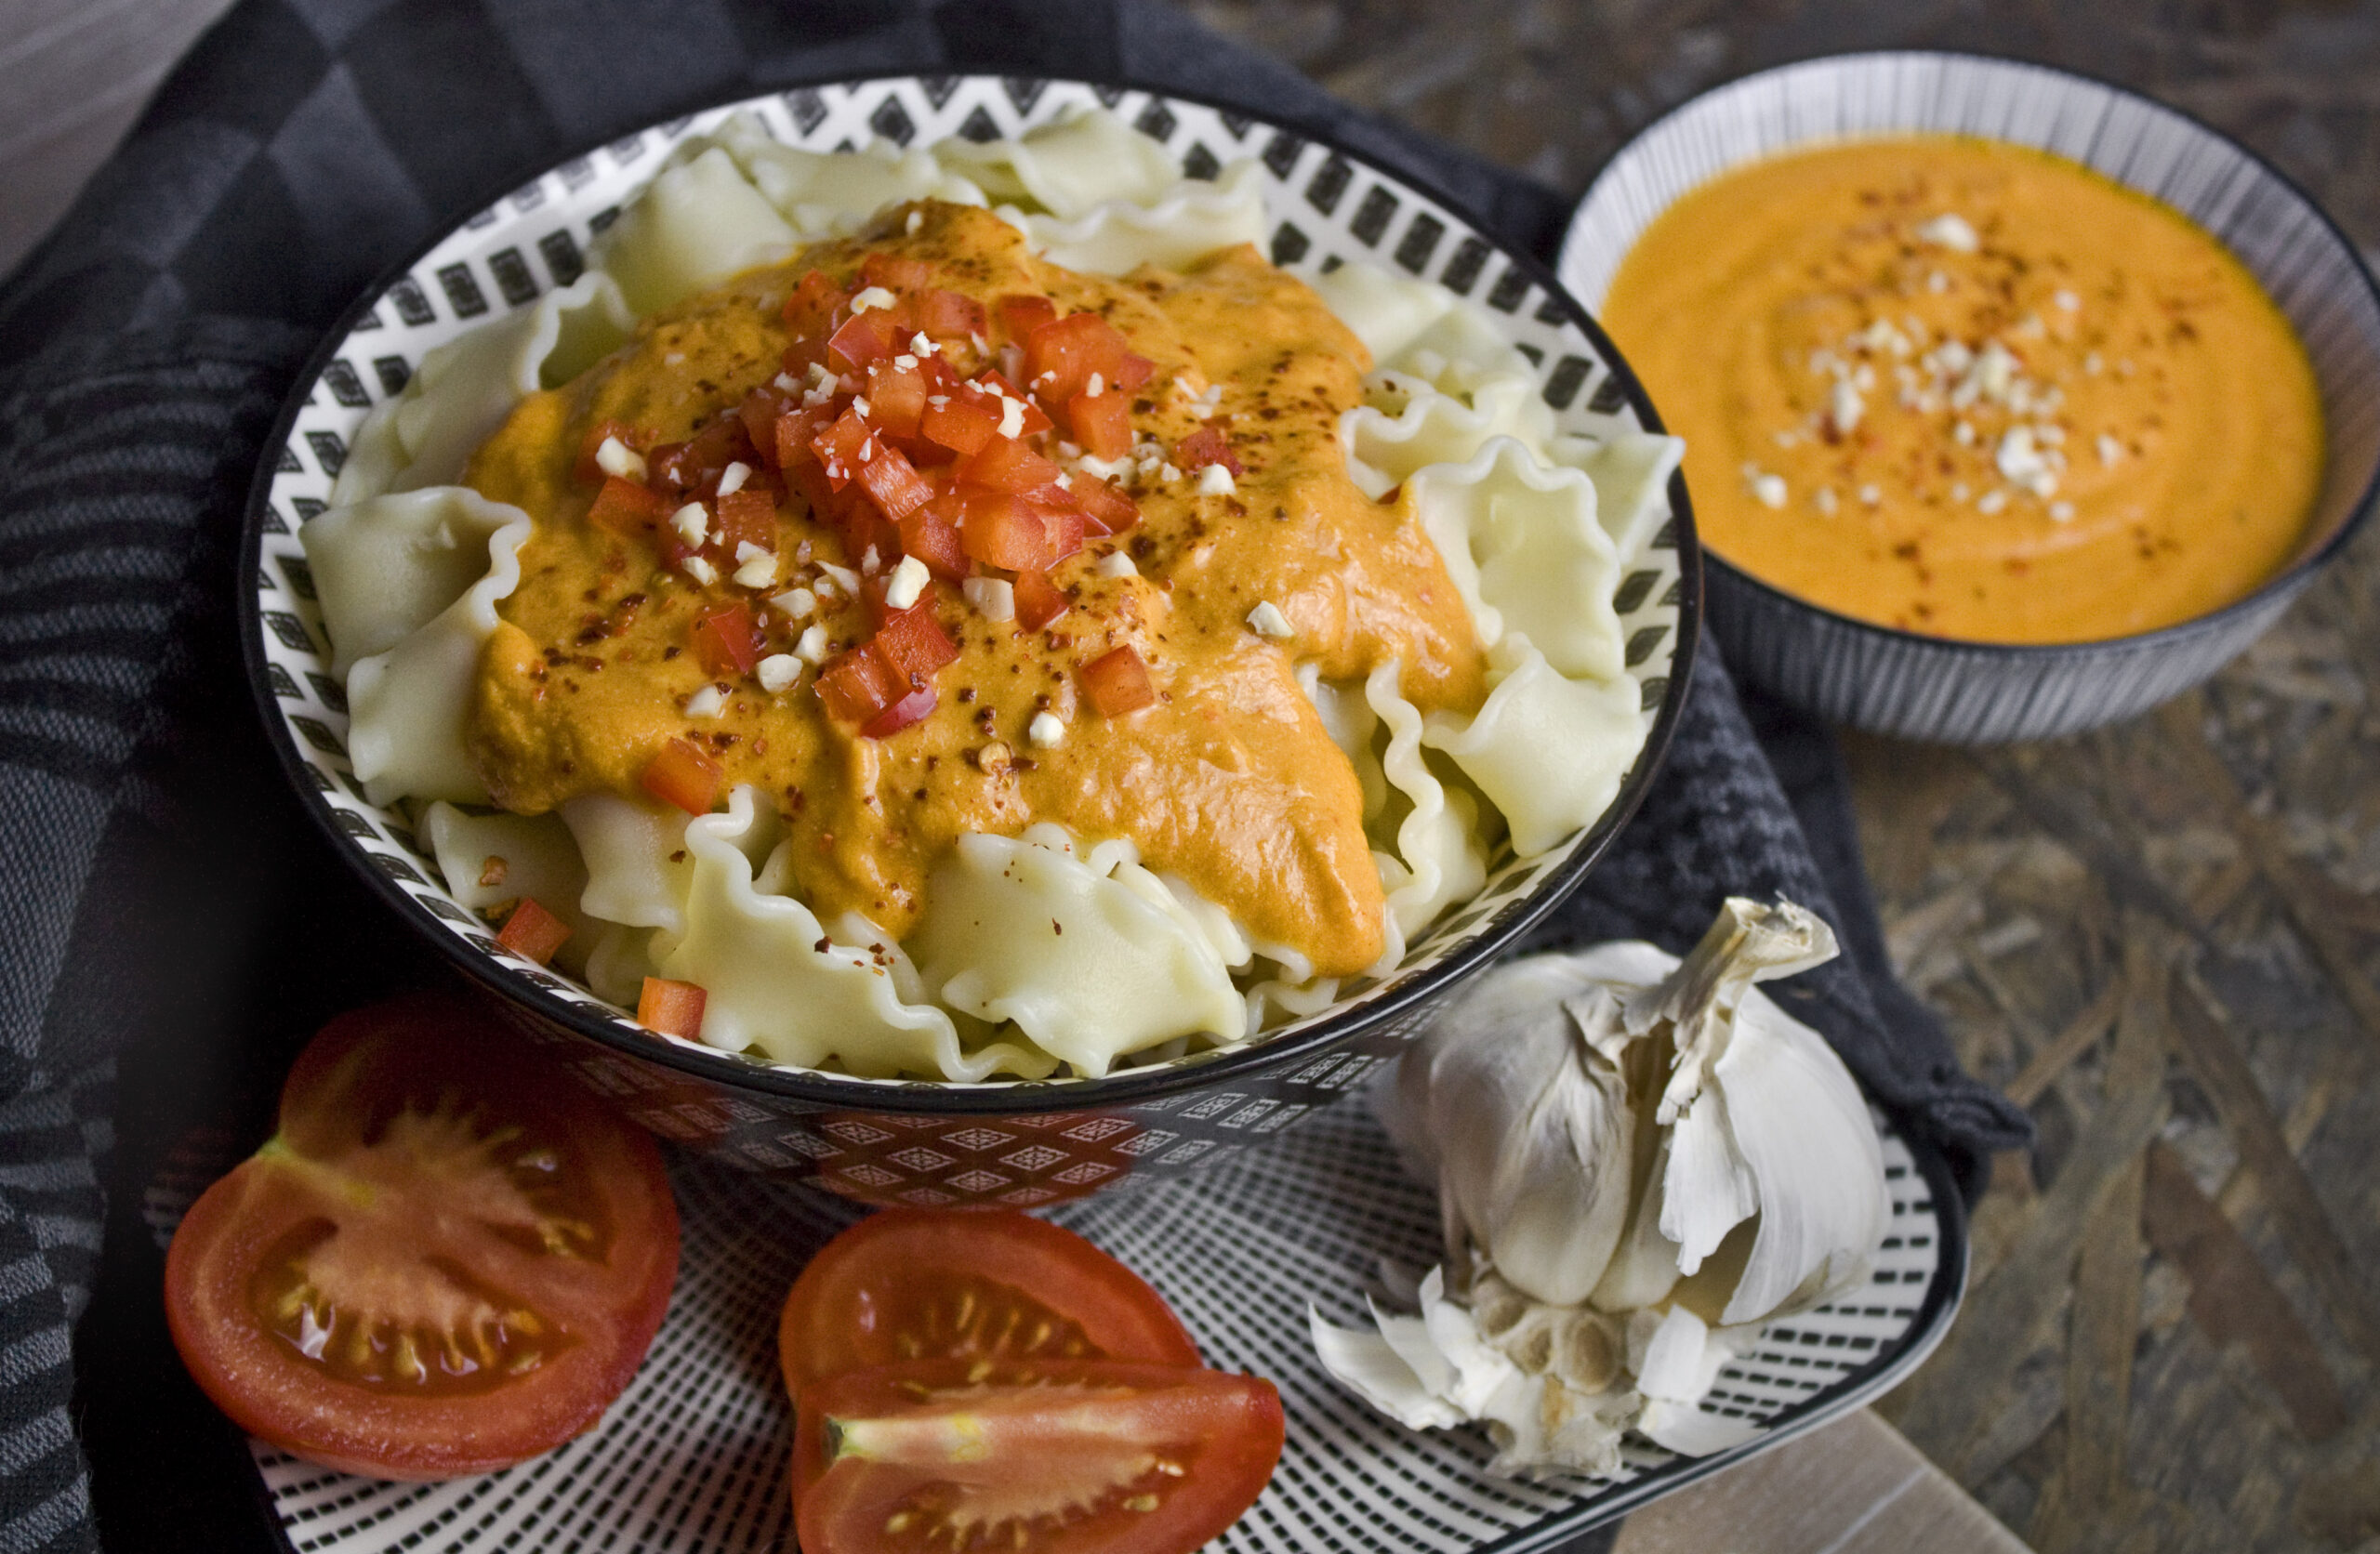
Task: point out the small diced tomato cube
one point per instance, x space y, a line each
800 357
929 534
1061 356
532 931
948 315
838 447
1062 522
1103 423
1133 371
625 507
896 397
913 644
682 775
896 273
1003 531
864 338
858 685
745 516
1109 510
1022 315
1004 464
586 471
892 482
726 640
810 311
793 432
672 1008
1204 447
1118 682
963 423
909 709
995 390
1038 600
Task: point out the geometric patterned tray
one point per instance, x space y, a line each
693 1458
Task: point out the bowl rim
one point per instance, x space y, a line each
826 1091
2282 586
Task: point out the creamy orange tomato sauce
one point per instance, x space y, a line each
1973 390
1230 781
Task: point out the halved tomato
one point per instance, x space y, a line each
448 1258
948 1283
1039 1457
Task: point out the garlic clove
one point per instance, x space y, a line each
1644 1267
1531 1131
1688 1431
1371 1368
1804 1134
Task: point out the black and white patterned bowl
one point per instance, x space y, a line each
1897 682
888 1141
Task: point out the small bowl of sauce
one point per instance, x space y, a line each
2013 402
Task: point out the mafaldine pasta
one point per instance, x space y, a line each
973 617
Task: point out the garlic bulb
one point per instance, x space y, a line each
1639 1160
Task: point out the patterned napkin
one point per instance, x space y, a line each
169 929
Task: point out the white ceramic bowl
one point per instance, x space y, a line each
1897 682
1323 205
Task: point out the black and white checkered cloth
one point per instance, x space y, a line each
160 901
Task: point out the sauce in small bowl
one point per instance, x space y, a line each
1971 389
2172 552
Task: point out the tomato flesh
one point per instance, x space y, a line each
926 1283
448 1258
1079 1456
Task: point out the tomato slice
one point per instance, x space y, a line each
449 1258
1043 1457
909 1284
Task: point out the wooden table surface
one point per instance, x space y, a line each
2161 938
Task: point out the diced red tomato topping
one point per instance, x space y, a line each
1109 510
858 685
930 535
896 273
625 507
963 423
995 388
896 397
810 311
793 433
947 315
672 1008
1061 357
759 412
909 709
1038 600
864 338
838 447
893 483
1204 447
726 640
913 643
1102 423
1022 315
586 470
533 931
745 516
1005 464
1118 682
695 464
1133 372
1003 531
1062 522
684 776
